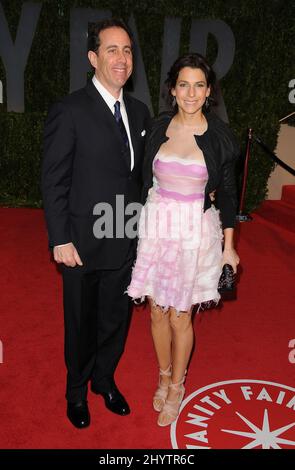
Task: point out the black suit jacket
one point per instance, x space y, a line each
220 149
84 163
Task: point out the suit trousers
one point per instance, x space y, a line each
97 314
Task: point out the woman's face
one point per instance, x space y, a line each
190 90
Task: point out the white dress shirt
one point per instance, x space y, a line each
110 101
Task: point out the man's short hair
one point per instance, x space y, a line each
96 28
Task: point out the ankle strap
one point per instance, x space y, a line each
166 372
177 384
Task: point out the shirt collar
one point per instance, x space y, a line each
106 95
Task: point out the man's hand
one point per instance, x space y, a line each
67 254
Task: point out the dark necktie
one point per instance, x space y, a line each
122 128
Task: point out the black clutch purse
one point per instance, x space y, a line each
227 279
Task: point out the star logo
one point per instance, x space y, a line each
263 436
237 414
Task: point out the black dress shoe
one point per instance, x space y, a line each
114 401
78 414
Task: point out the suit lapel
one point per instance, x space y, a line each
132 121
103 114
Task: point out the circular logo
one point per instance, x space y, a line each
237 414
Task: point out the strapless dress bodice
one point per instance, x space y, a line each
179 178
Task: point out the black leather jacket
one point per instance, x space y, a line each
220 149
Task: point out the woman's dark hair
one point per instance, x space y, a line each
194 61
96 28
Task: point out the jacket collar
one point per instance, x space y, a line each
104 113
132 120
107 96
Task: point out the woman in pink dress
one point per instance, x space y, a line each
190 154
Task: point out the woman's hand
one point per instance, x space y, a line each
230 256
212 195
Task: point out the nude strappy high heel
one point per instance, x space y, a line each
162 390
170 410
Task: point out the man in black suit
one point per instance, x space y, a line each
93 151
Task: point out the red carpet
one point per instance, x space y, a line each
246 339
280 213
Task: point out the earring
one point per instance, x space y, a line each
207 102
173 101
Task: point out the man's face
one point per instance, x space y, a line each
113 59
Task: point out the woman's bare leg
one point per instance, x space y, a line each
162 338
182 344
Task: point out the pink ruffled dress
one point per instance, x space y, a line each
180 246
